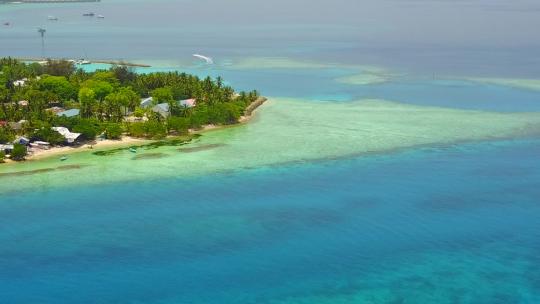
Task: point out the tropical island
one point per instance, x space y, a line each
53 104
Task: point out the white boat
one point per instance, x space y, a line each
82 62
100 16
52 18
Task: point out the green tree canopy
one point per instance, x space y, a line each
100 88
162 95
57 68
113 131
19 152
58 85
87 100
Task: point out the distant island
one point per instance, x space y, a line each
53 104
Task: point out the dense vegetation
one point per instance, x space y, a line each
105 98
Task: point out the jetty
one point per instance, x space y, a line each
254 105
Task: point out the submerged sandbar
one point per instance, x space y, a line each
288 131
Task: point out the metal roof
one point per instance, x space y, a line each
69 113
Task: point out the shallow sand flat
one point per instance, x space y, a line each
520 83
285 63
284 131
275 63
357 74
364 79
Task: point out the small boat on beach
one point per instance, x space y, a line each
63 158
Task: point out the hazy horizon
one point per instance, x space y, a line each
449 37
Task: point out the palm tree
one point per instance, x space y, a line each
219 82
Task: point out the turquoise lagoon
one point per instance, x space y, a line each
362 180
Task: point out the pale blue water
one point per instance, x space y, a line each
458 224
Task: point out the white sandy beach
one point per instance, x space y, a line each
98 144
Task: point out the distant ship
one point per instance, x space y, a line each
6 23
52 18
100 16
89 14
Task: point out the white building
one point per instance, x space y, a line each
70 137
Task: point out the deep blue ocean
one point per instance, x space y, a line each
437 225
450 224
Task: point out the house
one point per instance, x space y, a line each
20 82
70 137
21 140
162 109
188 103
23 103
69 113
3 123
6 148
146 102
55 110
40 145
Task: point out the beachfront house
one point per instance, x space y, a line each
69 113
146 102
163 108
6 148
21 140
43 145
70 137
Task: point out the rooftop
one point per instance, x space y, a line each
69 113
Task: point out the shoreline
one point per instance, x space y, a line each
125 141
90 145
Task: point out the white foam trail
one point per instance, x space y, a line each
208 60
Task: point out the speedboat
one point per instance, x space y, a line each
52 18
100 16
